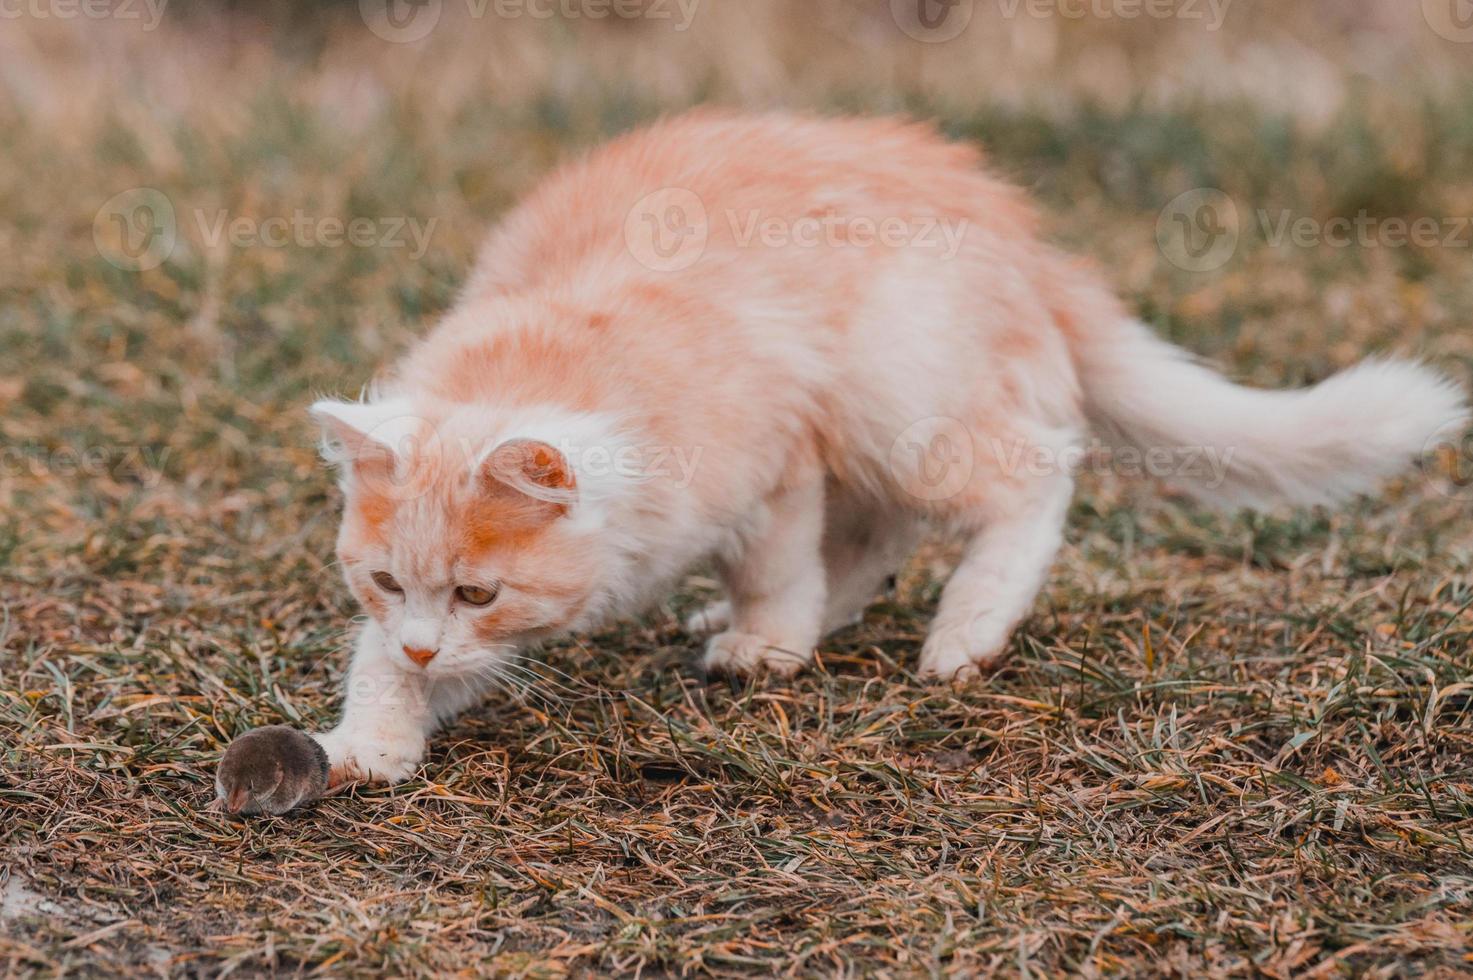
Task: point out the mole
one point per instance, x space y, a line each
271 770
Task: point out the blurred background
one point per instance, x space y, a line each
178 177
355 57
451 108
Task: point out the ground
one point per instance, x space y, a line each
1223 744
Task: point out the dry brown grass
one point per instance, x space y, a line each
1224 745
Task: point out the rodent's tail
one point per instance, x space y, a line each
1236 446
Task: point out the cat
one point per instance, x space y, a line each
783 346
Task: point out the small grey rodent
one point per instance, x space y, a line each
271 770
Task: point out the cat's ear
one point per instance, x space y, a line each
366 438
529 469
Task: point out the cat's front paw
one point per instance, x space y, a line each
358 757
960 654
743 654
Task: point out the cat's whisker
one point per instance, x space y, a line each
532 679
529 662
536 668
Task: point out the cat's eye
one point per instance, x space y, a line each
474 595
387 582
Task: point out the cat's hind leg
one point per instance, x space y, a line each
863 545
1004 564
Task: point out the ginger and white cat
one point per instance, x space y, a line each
783 345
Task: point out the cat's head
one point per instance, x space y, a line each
462 545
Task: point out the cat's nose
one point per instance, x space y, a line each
420 655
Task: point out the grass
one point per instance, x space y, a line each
1223 745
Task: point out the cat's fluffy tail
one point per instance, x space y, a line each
1236 446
